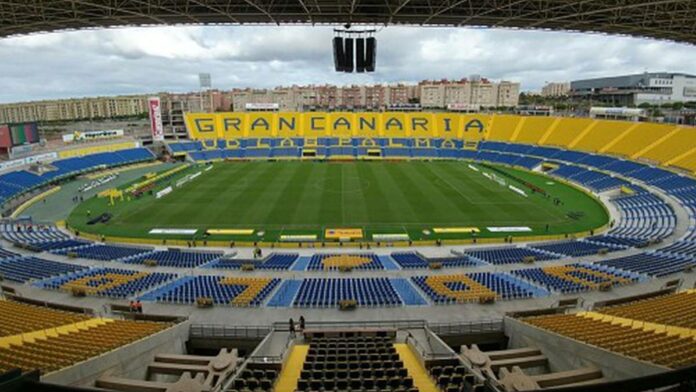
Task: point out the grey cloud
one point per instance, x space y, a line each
142 60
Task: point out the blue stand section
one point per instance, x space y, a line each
407 292
536 290
152 295
301 264
285 294
388 263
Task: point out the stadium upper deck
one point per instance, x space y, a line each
672 20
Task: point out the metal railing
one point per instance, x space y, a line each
229 331
427 353
463 328
260 331
383 324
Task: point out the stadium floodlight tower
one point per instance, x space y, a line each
205 83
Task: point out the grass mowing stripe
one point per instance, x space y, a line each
419 201
267 190
282 211
330 201
245 188
379 207
310 197
446 193
307 197
355 200
395 197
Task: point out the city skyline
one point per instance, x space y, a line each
149 60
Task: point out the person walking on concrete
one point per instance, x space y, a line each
302 324
292 327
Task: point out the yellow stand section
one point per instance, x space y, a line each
43 334
287 381
421 378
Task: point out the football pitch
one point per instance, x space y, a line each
305 198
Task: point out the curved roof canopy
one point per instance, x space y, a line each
662 19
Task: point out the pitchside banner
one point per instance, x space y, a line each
156 118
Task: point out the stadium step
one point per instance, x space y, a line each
287 382
549 131
301 263
285 294
582 134
407 292
518 129
31 337
656 143
686 333
680 156
421 378
618 139
388 263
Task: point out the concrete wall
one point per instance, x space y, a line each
129 361
565 353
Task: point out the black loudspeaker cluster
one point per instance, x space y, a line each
355 54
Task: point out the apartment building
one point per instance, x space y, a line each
473 94
74 109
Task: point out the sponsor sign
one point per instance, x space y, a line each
261 106
79 136
455 230
334 234
230 231
463 107
28 160
155 110
174 231
163 192
474 168
49 156
12 164
298 237
517 190
390 237
20 151
511 229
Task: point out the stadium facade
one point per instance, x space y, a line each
654 88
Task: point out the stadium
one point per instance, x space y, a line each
394 250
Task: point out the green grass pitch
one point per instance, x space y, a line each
302 197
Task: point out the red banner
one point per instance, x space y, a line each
156 119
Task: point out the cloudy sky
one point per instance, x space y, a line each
144 60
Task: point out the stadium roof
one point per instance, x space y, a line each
662 19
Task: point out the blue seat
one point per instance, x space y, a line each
320 292
174 258
24 269
509 255
100 277
317 260
274 262
187 290
104 252
413 260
